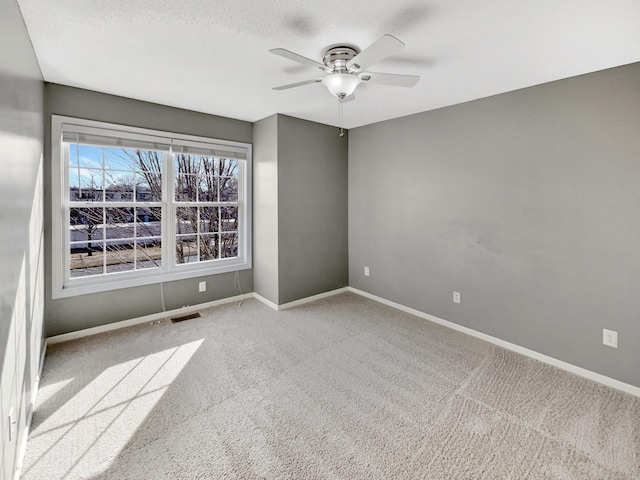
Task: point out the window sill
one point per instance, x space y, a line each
106 283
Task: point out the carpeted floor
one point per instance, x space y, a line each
342 388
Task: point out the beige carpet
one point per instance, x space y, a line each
343 388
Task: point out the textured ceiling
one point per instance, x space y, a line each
212 56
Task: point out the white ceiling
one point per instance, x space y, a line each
212 55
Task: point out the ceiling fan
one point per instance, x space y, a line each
345 67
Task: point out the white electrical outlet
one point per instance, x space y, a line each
456 297
202 287
610 338
366 271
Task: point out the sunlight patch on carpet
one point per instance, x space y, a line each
90 429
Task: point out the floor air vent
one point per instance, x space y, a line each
182 318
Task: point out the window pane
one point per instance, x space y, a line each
85 156
209 246
74 178
148 222
228 189
209 219
148 187
208 188
119 223
229 219
148 254
207 166
148 161
227 167
85 185
85 225
83 263
186 249
229 245
186 187
188 164
186 220
76 272
119 186
120 257
119 159
73 155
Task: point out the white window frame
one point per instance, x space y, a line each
64 286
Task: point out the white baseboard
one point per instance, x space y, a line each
23 446
268 303
36 385
302 301
65 337
313 298
22 451
596 377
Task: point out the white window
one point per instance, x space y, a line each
133 206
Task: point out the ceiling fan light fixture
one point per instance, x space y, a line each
341 84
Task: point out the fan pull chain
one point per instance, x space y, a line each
340 116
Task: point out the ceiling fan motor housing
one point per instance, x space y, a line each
336 58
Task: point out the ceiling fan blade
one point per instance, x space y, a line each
297 58
349 98
378 50
390 79
298 84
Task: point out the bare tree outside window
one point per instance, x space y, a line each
113 231
116 225
206 188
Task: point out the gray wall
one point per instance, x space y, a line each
300 209
265 208
528 203
21 229
85 311
312 209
